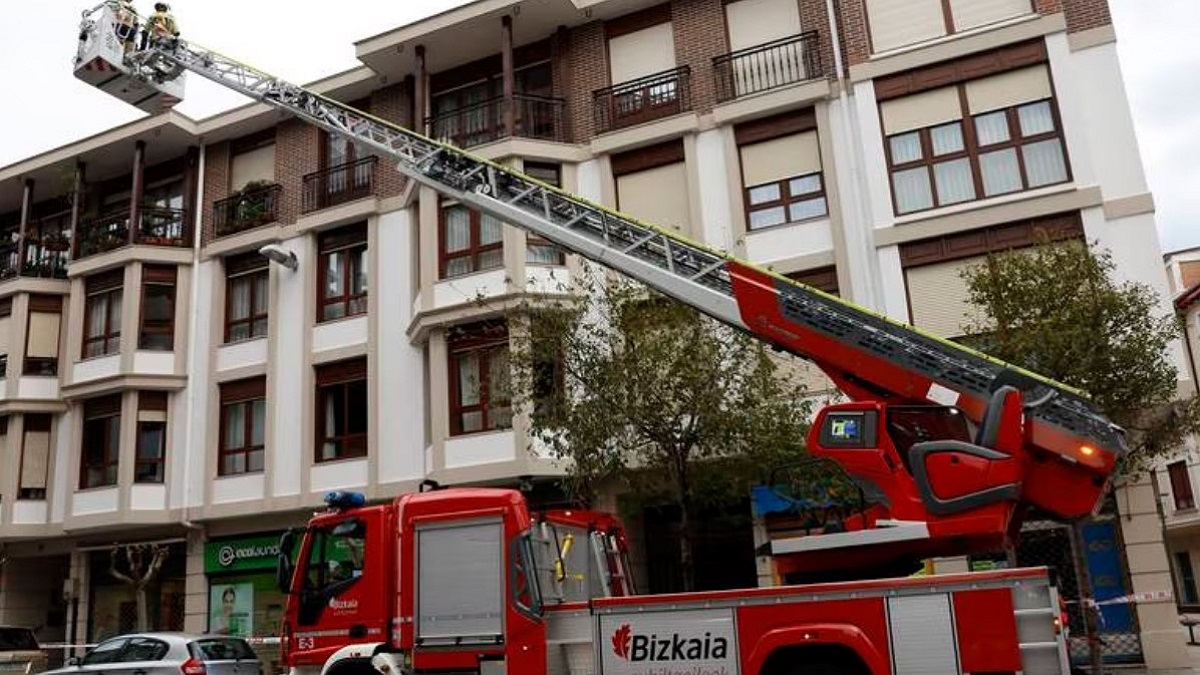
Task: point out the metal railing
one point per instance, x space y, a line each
339 184
157 226
103 234
246 210
642 100
768 66
537 117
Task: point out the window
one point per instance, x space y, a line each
898 23
41 341
5 330
105 652
343 273
480 399
341 410
1187 578
539 251
789 200
247 297
1181 485
332 564
781 169
821 278
151 437
101 442
35 457
243 426
652 184
158 308
980 139
102 315
470 241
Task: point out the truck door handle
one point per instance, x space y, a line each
139 671
356 631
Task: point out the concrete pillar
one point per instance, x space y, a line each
79 583
195 603
1163 638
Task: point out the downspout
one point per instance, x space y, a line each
198 225
856 217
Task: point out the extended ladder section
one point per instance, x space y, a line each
867 354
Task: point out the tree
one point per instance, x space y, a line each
637 390
142 563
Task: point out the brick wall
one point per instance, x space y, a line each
394 104
814 17
216 185
588 65
699 27
856 46
1047 6
561 76
296 153
1086 14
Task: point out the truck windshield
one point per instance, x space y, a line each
334 563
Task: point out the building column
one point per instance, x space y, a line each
1163 638
508 75
26 216
76 205
135 193
191 184
77 628
420 92
195 603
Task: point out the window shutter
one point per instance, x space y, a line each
974 13
43 335
105 281
341 371
755 22
774 160
102 406
896 23
1008 89
244 390
253 165
938 297
658 196
641 53
921 110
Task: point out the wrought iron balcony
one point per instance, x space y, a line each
157 226
642 100
768 66
249 208
535 117
339 184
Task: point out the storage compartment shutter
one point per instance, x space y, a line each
658 196
897 23
938 297
641 53
460 581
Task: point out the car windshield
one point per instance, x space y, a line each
221 649
17 638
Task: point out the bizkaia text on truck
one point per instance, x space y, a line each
950 446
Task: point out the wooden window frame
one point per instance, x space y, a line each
350 241
484 340
108 410
245 394
103 287
43 304
1181 485
38 422
151 401
157 276
246 268
786 198
329 377
474 251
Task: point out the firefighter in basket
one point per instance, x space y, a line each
126 25
160 26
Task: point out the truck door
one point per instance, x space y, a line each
339 601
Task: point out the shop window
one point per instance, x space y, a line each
102 314
341 415
247 297
243 426
470 241
158 309
35 457
539 251
1181 485
480 377
151 437
41 343
100 451
343 273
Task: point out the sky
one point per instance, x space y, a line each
42 106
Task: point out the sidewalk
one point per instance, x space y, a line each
1193 652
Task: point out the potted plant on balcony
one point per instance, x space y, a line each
249 206
56 241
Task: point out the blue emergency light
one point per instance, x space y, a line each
345 500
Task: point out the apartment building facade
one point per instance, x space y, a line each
872 149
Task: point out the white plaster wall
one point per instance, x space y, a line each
787 241
188 476
147 497
715 207
863 193
38 388
288 389
242 354
94 501
60 486
399 366
30 512
590 179
342 333
3 390
91 369
459 290
339 475
891 275
486 448
547 279
239 488
154 363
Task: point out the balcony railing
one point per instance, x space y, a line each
157 226
768 66
535 117
339 184
46 253
642 100
246 210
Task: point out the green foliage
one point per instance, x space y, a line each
1057 310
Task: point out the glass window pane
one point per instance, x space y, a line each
151 440
913 192
356 407
776 215
489 230
458 229
1044 162
334 310
239 331
260 327
808 208
954 181
239 298
458 266
805 184
542 254
947 138
1001 173
258 422
1036 118
254 460
468 379
334 265
764 193
906 147
160 302
262 295
992 128
235 463
490 259
358 271
472 421
498 376
235 426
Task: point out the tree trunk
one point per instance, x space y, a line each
143 612
686 567
1086 608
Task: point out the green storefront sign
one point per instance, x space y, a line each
242 555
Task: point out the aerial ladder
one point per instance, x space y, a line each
951 446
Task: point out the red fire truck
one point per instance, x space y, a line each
950 446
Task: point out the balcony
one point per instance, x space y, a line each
157 226
535 117
252 206
642 100
339 184
768 66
